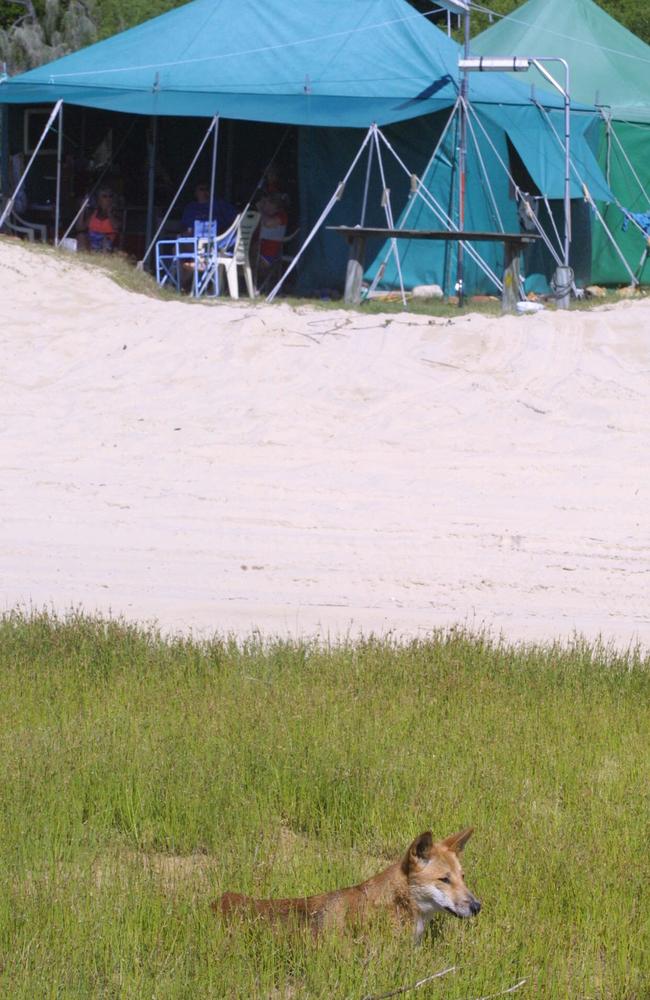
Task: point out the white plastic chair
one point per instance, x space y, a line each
239 258
208 249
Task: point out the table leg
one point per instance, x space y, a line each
510 295
354 275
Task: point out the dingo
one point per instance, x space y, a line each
427 880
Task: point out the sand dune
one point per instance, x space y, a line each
237 467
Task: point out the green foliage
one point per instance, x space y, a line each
118 15
143 776
10 13
56 28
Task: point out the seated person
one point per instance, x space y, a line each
273 228
103 227
199 210
272 183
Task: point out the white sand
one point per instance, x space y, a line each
238 467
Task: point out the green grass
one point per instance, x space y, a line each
140 777
124 273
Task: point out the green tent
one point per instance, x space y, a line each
332 68
610 68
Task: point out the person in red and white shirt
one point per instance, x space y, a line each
273 228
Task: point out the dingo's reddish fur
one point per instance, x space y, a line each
428 879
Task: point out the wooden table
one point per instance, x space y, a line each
357 237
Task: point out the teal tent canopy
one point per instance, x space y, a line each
317 62
538 136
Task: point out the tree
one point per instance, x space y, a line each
40 34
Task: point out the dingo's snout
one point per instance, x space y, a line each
470 907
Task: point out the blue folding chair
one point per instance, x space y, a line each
205 269
198 252
170 255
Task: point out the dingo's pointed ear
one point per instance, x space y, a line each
457 841
420 849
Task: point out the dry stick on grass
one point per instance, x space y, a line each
405 989
436 975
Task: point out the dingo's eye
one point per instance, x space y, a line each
445 878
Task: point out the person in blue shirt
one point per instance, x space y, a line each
222 211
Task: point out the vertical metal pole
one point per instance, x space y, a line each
4 149
229 155
151 182
213 172
364 206
567 167
59 161
462 164
563 278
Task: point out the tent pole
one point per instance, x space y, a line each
362 221
98 182
176 196
389 216
151 181
588 196
611 132
4 149
567 169
213 172
59 159
48 125
450 251
260 183
415 193
634 280
462 163
540 229
484 174
229 156
429 200
338 194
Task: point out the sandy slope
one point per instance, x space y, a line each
234 467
